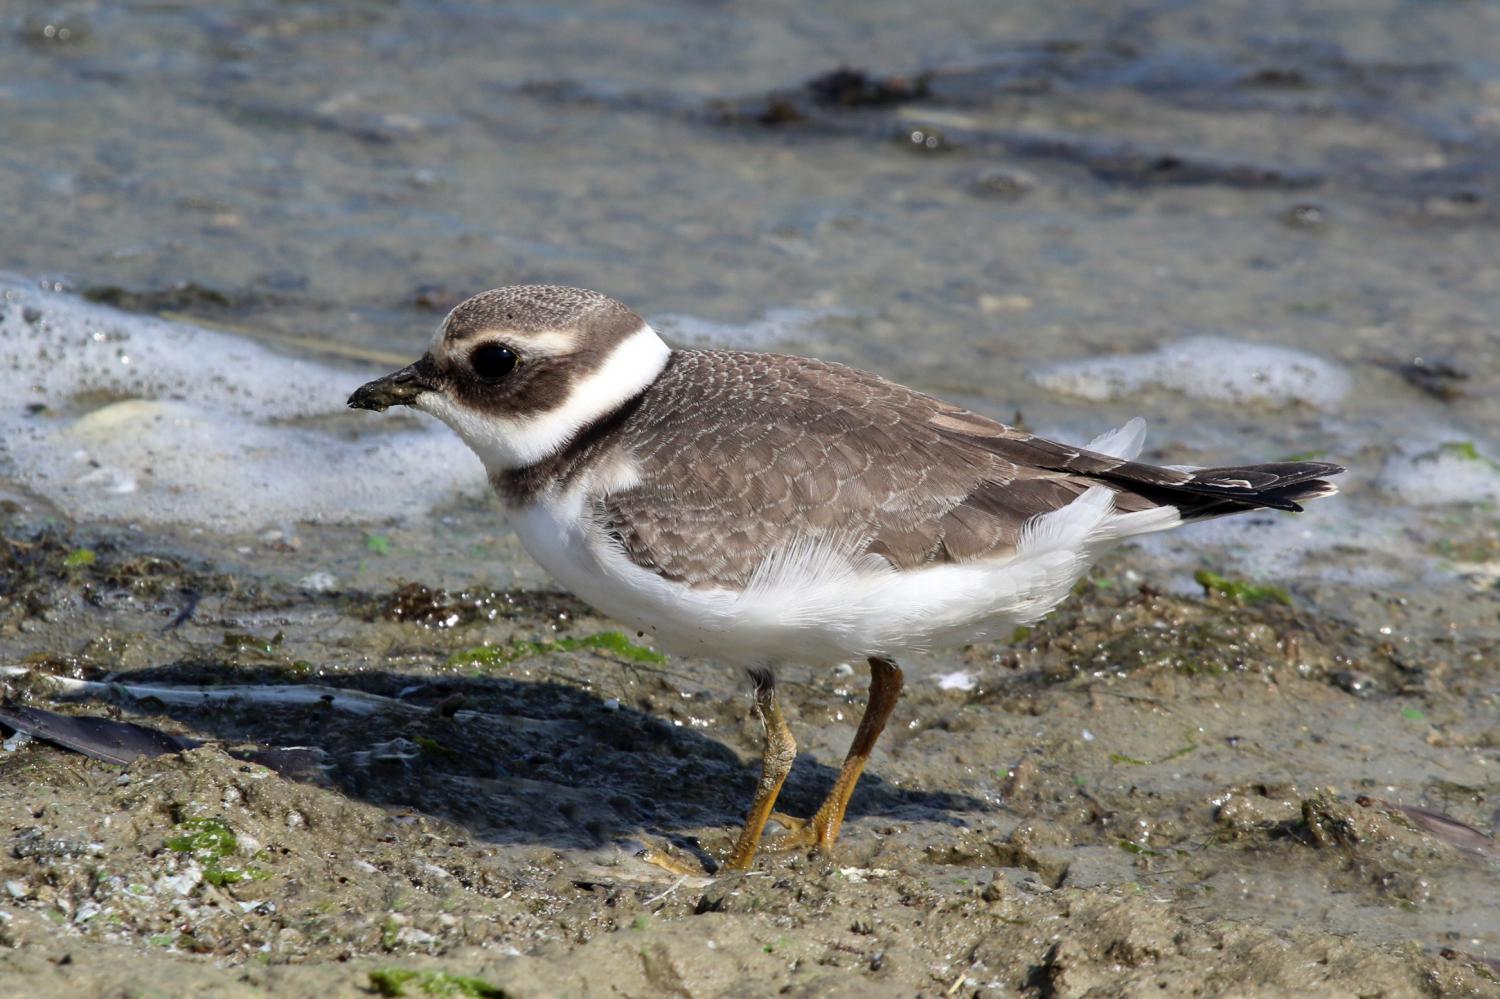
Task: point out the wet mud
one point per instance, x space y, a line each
1180 794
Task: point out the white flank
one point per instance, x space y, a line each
814 605
515 442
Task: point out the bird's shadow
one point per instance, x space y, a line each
519 762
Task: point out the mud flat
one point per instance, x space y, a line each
1186 795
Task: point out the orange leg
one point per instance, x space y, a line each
823 828
775 764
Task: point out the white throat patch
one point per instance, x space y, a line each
507 443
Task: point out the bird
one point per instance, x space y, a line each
761 509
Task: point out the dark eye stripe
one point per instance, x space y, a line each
492 361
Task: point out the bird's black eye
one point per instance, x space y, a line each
492 361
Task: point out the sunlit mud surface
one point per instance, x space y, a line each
1141 780
1257 756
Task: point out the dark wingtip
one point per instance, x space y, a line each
1291 484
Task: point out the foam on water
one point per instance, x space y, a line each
1317 543
1440 469
1205 367
131 418
115 416
1406 525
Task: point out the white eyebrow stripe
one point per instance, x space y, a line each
546 343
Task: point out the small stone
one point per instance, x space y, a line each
1244 811
412 936
1356 682
318 582
1005 183
1305 216
183 883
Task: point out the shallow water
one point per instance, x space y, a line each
334 180
1067 212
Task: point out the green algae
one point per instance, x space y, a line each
1240 590
612 642
211 841
394 982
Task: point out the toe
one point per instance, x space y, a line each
790 823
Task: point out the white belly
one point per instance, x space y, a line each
812 604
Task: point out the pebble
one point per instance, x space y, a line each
1005 183
1356 682
318 582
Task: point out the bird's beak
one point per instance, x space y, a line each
399 388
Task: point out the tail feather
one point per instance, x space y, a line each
1195 492
1210 492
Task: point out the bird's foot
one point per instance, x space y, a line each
791 823
802 834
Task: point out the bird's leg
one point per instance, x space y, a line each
775 764
823 828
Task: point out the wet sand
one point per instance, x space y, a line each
1185 795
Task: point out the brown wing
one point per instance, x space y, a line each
740 454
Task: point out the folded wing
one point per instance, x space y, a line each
742 456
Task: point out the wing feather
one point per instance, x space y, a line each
744 457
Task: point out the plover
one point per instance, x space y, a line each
759 509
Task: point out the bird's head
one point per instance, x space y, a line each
518 371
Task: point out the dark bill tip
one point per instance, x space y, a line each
399 388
